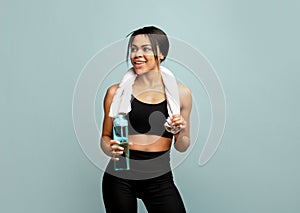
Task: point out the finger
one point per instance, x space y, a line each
112 142
115 159
176 117
183 123
117 147
182 126
130 144
116 153
178 121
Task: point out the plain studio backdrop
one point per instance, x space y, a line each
254 49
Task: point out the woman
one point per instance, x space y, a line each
150 143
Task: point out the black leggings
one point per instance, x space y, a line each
159 193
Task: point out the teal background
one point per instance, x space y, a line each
254 48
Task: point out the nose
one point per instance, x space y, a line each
139 53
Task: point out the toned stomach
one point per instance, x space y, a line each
149 143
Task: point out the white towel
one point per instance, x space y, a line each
121 101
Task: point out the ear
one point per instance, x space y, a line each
161 56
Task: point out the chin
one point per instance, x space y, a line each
139 71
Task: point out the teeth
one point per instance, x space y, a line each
138 62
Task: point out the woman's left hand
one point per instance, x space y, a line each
178 121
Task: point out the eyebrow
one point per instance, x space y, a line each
144 45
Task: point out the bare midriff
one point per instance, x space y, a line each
149 143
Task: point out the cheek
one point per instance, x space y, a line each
149 56
131 57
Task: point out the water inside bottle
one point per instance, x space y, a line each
121 135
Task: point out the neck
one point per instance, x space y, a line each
149 79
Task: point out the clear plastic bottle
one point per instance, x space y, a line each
120 133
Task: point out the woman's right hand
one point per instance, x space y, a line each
116 150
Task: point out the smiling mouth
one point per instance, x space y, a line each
139 62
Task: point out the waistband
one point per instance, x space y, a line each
143 165
143 155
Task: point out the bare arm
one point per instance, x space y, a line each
107 126
182 139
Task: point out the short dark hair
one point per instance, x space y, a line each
157 37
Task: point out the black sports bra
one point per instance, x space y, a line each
147 118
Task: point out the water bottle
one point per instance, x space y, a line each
120 132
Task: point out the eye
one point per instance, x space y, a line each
133 49
146 49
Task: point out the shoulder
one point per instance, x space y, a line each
110 94
184 91
112 90
185 97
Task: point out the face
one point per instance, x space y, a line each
142 55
